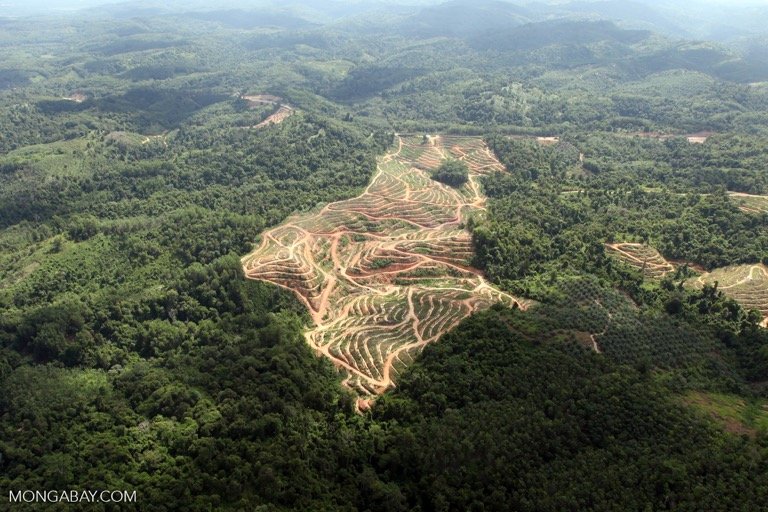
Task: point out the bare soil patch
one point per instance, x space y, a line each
262 99
750 203
283 110
283 113
693 138
77 97
642 257
746 284
388 272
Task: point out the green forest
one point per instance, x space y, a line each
135 173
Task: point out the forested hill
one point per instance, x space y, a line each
144 148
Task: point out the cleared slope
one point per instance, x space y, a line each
746 284
387 272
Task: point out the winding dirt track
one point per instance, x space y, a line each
389 271
750 203
283 112
746 284
642 257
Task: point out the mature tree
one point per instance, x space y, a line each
452 172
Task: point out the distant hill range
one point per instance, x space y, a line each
460 18
703 19
639 37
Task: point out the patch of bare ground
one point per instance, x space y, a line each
388 272
283 110
732 412
693 138
699 138
261 99
283 113
750 203
642 257
156 138
77 97
544 140
746 284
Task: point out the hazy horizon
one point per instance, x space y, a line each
17 8
719 20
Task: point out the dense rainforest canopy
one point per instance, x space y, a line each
452 172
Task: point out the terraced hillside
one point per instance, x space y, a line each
746 284
387 272
642 257
283 111
750 203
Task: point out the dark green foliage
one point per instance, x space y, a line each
225 411
542 242
732 162
494 417
537 35
535 224
12 78
134 354
451 172
365 81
